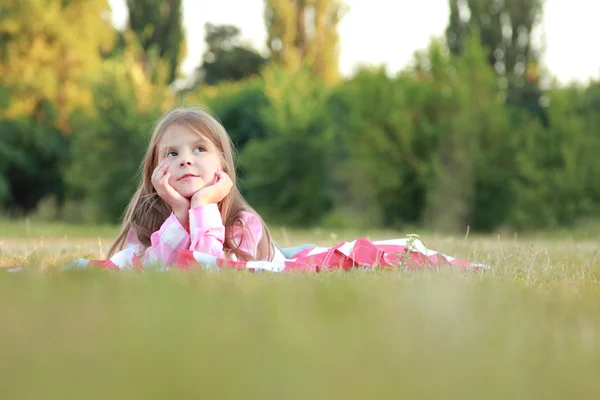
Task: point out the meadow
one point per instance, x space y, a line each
527 328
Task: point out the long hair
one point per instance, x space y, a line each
147 211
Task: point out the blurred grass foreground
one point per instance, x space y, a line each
526 328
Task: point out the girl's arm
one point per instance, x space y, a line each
207 231
165 244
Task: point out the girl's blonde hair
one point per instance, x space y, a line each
147 211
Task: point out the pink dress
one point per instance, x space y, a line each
206 235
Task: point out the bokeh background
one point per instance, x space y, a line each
450 115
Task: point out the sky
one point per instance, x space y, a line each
376 32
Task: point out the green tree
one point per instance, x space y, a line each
590 113
430 145
506 28
305 32
378 160
158 25
47 48
33 155
558 180
107 152
286 169
226 57
473 154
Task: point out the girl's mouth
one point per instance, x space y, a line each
187 177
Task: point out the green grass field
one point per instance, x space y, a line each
528 328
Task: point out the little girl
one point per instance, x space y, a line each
188 212
188 198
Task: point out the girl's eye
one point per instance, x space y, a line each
171 154
199 149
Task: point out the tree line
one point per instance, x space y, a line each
473 133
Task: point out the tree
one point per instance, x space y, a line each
377 162
558 169
126 106
226 57
286 175
305 32
47 48
32 156
473 155
158 26
506 28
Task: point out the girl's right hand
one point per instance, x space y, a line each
160 181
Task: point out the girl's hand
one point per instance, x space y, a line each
213 193
160 181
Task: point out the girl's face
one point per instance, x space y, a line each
192 160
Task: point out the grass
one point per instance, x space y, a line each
528 328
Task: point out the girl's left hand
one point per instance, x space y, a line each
213 193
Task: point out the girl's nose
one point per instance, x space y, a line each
183 163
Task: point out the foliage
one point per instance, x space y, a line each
287 175
472 141
304 34
46 52
426 144
558 167
378 174
462 138
226 58
32 158
158 26
506 32
110 146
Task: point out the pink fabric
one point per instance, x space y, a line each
404 253
202 247
206 235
